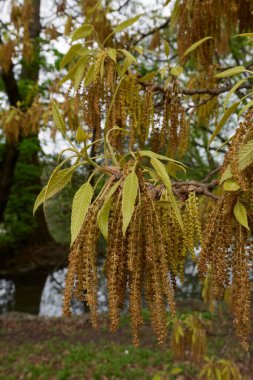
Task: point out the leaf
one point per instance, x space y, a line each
58 120
103 214
128 54
55 184
150 154
113 55
247 106
90 75
103 217
240 214
130 190
81 135
80 205
196 45
79 76
166 47
223 120
172 168
227 174
230 72
82 32
148 77
69 55
233 89
84 52
231 185
139 49
125 24
176 70
244 35
39 200
127 63
246 155
162 173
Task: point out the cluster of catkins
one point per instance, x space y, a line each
131 105
197 19
142 264
227 249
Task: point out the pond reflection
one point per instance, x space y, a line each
7 295
38 292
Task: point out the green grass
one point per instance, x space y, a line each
56 359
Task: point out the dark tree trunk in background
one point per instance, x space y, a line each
11 155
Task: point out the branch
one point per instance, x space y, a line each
182 188
152 31
211 91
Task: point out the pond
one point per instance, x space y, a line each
40 292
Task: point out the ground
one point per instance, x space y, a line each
34 347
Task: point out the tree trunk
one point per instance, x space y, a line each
11 156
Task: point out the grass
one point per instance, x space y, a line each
56 349
57 359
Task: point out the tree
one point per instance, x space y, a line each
138 118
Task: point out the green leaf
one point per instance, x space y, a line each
166 47
80 205
82 32
103 217
113 55
81 135
148 77
150 154
84 52
246 107
69 55
172 168
58 120
176 70
196 45
240 214
139 49
128 54
230 72
90 75
231 185
223 120
246 155
127 63
162 173
233 89
79 76
227 174
103 214
40 199
56 183
125 24
244 35
130 190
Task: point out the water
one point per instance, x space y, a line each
41 293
